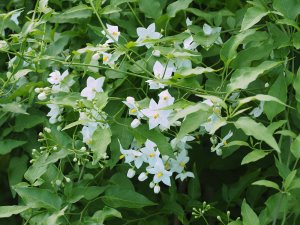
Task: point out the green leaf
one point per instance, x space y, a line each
254 156
142 133
241 78
177 6
278 90
206 41
107 212
194 71
117 196
72 15
21 73
252 16
100 140
267 183
296 85
66 99
152 9
260 97
257 130
8 211
289 9
8 145
27 121
296 40
228 51
288 181
13 107
192 122
249 216
39 198
295 147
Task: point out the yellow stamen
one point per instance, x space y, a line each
89 141
151 154
159 174
115 33
122 156
182 164
156 115
133 110
165 98
105 58
225 143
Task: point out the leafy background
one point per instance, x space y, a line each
261 45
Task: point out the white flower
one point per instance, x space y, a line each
135 123
61 82
222 143
208 30
130 173
54 113
189 43
133 108
181 144
160 173
156 116
182 176
179 164
150 155
87 134
132 156
145 34
188 22
56 77
165 99
93 86
106 58
256 112
143 176
113 33
161 72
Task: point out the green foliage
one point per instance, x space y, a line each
236 87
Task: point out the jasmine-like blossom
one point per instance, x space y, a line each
132 156
189 43
93 86
87 134
156 115
208 30
161 72
150 152
147 34
182 176
178 164
54 113
160 173
113 33
181 144
257 111
165 99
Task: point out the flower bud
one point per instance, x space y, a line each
156 189
156 53
96 56
37 90
130 173
68 180
135 123
219 152
58 182
143 176
83 148
42 96
152 184
54 148
47 129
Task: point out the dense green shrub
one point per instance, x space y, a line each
149 112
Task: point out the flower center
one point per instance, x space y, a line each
121 156
133 110
105 58
151 154
165 98
156 115
115 33
182 164
159 175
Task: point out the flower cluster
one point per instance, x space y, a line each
161 167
